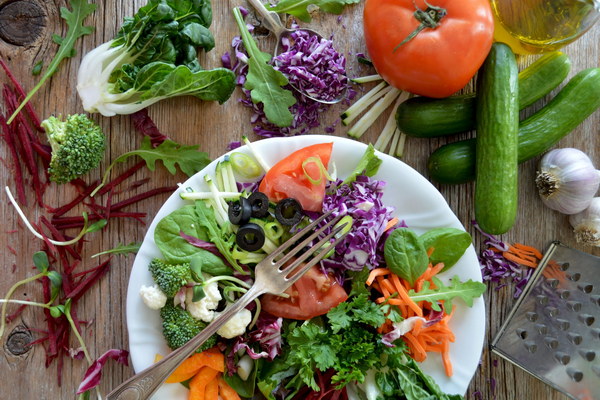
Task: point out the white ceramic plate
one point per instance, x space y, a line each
416 201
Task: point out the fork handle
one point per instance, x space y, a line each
144 384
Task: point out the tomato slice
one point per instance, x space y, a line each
312 295
288 179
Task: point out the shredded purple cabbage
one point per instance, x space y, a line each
267 335
496 268
306 111
312 65
362 201
93 374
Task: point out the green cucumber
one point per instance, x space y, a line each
426 117
455 162
497 116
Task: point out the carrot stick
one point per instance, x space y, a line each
212 390
529 249
391 223
518 260
418 352
192 365
446 357
404 296
226 392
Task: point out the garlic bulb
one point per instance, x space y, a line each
586 224
567 180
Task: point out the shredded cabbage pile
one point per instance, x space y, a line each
362 201
312 65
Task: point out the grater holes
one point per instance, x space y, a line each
574 306
585 287
522 333
552 311
595 299
562 357
587 354
587 319
531 346
532 316
596 333
575 374
541 328
551 342
553 283
574 277
575 338
543 300
563 293
563 324
564 266
596 369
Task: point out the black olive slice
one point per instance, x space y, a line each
250 237
288 212
260 204
240 211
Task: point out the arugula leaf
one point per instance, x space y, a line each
467 291
131 248
298 8
367 165
449 244
264 82
405 254
74 19
172 154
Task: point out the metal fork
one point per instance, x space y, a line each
274 274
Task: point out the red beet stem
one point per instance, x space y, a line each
30 160
121 178
35 120
64 223
11 317
142 196
18 173
69 206
85 283
60 237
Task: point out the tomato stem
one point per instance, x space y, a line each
428 18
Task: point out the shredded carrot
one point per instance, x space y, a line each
226 392
519 260
446 357
375 273
391 223
430 251
404 295
529 249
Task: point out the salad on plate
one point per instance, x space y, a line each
394 310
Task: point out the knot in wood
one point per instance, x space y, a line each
21 22
18 342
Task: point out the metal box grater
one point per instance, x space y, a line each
553 331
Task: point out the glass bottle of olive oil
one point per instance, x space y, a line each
537 26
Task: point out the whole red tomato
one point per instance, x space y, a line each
437 61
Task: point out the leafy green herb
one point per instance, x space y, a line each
264 82
405 254
172 154
449 244
80 9
299 8
367 165
167 235
153 57
37 68
467 291
123 249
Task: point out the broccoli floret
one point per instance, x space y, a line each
169 277
77 146
179 327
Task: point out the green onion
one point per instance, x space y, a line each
322 170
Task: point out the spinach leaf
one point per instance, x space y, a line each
264 82
467 291
298 8
405 254
174 248
210 263
449 244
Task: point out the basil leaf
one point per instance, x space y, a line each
405 254
449 244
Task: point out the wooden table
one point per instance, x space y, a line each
190 121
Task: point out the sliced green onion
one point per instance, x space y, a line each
370 116
370 97
322 170
256 155
273 230
367 78
245 166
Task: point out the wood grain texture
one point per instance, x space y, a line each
190 121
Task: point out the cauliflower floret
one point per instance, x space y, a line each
153 297
236 326
204 309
